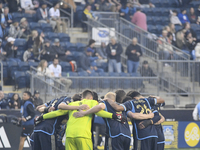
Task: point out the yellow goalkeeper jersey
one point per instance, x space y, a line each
78 127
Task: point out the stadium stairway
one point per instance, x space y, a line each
77 36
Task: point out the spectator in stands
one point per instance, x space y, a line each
173 18
15 30
86 14
28 55
48 52
1 7
94 5
183 17
192 16
85 63
180 40
197 52
37 47
171 40
125 11
191 44
164 47
55 19
2 52
36 99
42 14
67 7
133 53
187 28
28 6
172 30
43 69
102 51
32 38
56 71
140 19
146 4
4 104
6 18
24 25
145 70
10 49
13 6
61 53
15 102
104 5
114 51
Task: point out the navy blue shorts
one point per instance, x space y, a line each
121 142
147 144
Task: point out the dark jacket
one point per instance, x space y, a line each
39 15
13 6
131 56
85 62
58 50
118 49
19 103
37 101
50 54
146 72
10 52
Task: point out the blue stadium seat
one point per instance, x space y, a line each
29 17
165 3
159 29
104 82
80 47
148 11
72 74
83 83
125 83
64 37
51 35
10 95
66 67
157 20
94 83
76 56
12 67
178 27
114 82
20 54
17 16
35 26
165 12
172 4
152 29
27 80
5 69
71 46
20 43
157 3
74 81
149 20
127 32
165 21
20 79
46 27
63 45
24 66
33 64
157 12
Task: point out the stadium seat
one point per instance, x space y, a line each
33 64
125 83
35 26
149 20
157 12
20 43
74 80
159 29
83 82
5 69
10 95
29 17
114 82
51 36
104 82
66 67
27 80
165 21
94 83
80 47
71 46
17 16
190 105
20 54
152 29
24 66
12 67
165 3
20 79
64 37
127 33
46 27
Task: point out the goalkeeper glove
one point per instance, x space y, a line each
38 119
144 124
119 118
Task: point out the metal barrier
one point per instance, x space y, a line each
1 75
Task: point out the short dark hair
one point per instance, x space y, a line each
169 34
127 98
145 62
102 97
95 96
86 93
120 94
29 93
76 97
55 58
133 94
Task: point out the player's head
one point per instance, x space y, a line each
95 96
120 94
76 97
87 94
111 95
127 98
133 94
26 95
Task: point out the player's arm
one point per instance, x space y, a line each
161 120
158 100
116 106
139 116
54 114
64 106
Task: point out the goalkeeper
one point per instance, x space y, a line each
78 132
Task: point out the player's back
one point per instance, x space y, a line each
80 127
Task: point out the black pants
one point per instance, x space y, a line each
147 144
121 143
41 141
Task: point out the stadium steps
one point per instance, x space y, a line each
77 36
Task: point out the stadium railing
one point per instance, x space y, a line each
1 74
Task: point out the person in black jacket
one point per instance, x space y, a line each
134 53
85 62
114 51
37 100
62 54
48 52
10 49
4 104
27 118
145 70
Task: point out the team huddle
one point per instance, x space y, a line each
75 115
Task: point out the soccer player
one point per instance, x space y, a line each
28 114
78 131
118 132
146 137
43 131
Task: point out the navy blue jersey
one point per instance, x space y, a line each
142 106
48 126
114 127
161 137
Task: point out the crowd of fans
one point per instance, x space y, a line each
14 101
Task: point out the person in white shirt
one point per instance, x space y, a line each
55 19
56 71
28 6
